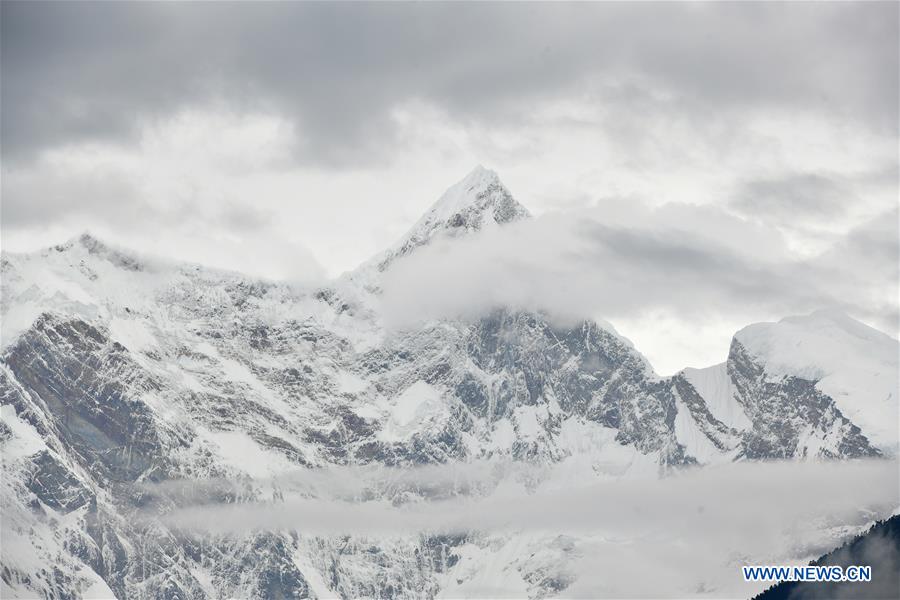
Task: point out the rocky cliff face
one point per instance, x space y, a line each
121 374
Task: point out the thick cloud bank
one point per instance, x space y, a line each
694 261
692 529
752 502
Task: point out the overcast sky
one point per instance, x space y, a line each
296 140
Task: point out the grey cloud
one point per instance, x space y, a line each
795 197
873 246
78 71
36 198
802 199
864 271
32 199
236 216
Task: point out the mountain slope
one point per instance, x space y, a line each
121 372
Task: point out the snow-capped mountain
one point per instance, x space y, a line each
121 371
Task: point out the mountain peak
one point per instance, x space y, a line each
472 191
478 201
481 175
